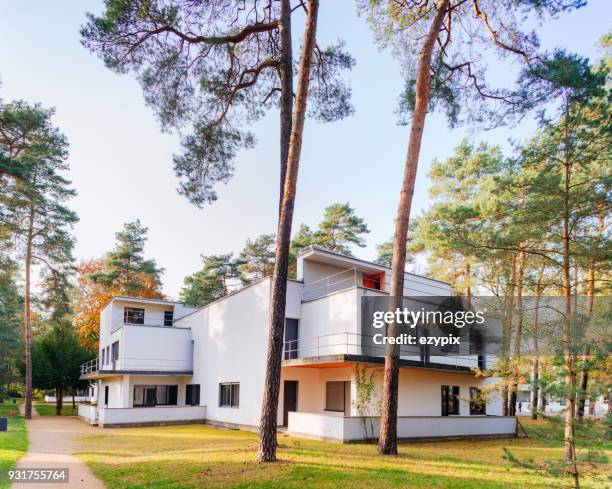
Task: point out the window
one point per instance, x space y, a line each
103 356
229 394
108 354
192 395
335 395
478 404
291 338
106 395
450 400
373 281
115 351
133 315
168 318
155 395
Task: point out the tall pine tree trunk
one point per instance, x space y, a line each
536 344
518 332
507 335
387 442
568 357
286 97
583 383
269 410
27 315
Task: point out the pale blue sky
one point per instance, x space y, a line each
121 163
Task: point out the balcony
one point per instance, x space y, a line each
136 366
358 348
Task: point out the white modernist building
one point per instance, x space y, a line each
162 362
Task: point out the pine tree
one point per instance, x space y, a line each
211 282
256 260
34 212
125 268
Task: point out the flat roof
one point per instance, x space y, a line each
338 257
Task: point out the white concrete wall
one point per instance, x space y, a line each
230 341
158 414
325 322
340 428
155 348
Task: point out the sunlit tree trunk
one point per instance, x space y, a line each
568 357
536 343
286 94
27 314
518 332
269 410
387 442
507 335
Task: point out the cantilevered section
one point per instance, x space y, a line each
340 360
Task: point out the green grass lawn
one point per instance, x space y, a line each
200 456
13 443
48 409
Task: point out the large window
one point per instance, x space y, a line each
192 395
229 394
291 338
168 318
450 400
133 315
115 351
335 395
155 395
478 403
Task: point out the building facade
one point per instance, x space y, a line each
162 362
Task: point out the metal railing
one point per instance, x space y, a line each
353 277
138 364
346 343
90 366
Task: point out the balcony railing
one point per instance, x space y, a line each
353 277
138 364
346 343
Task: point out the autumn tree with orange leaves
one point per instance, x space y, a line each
123 271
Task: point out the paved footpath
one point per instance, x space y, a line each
53 440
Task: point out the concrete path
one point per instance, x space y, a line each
53 440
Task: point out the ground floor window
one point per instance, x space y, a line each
450 400
229 394
155 395
478 404
192 395
336 393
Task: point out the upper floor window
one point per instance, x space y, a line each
168 318
103 356
291 338
133 315
115 351
229 394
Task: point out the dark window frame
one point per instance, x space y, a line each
450 400
115 351
171 395
229 395
192 395
133 315
168 318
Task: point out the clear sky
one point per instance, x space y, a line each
121 164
